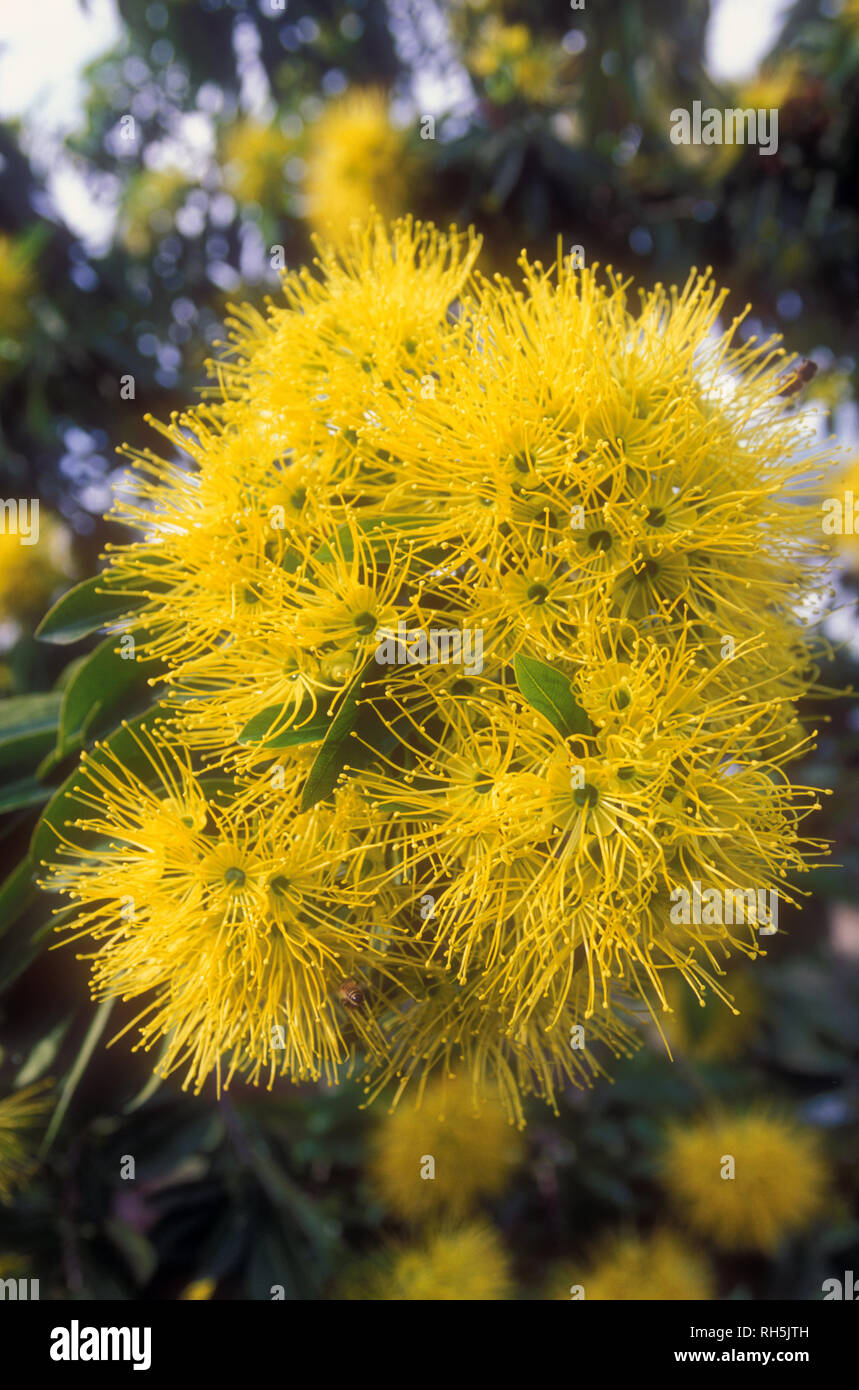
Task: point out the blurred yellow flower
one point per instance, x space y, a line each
29 574
446 1155
356 160
628 1267
254 156
468 1265
745 1181
20 1113
774 85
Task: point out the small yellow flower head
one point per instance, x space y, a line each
356 161
30 573
629 1268
445 1156
254 157
464 1265
20 1113
746 1182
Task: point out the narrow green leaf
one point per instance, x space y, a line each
328 763
84 609
549 692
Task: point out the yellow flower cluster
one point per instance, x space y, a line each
613 508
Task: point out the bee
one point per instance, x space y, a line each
799 376
351 994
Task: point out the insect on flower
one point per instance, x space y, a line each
351 994
800 375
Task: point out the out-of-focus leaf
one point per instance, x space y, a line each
16 894
43 1054
26 792
138 1253
79 1066
28 725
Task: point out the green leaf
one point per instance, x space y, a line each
99 689
256 729
549 692
84 609
16 894
328 763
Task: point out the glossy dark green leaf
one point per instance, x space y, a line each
86 608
